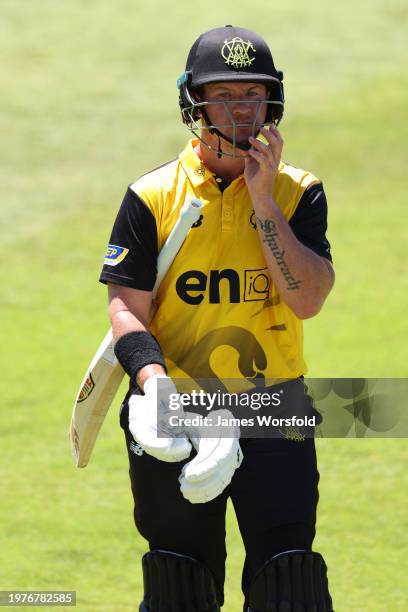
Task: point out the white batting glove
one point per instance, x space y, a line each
211 470
147 420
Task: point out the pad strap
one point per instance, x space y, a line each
136 350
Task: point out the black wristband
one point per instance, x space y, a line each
136 350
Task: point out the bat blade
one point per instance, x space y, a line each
104 375
95 395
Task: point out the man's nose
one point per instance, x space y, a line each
243 108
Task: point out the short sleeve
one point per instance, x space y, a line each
309 221
131 256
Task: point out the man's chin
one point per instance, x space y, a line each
241 144
243 138
244 145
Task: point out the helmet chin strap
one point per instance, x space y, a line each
213 130
242 146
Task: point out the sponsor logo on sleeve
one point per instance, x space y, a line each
115 254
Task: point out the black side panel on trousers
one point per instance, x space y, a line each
291 582
176 583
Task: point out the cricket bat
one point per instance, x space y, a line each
104 375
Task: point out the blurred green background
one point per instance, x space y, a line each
88 103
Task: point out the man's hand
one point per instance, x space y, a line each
148 418
212 469
262 164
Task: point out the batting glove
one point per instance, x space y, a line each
148 421
210 472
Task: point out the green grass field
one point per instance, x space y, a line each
88 104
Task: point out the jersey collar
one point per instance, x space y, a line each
192 165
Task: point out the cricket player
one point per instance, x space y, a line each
231 306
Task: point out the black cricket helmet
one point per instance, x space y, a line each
228 54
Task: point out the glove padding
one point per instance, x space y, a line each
211 470
148 421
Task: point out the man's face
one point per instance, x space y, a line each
235 102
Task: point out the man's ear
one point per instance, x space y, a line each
198 94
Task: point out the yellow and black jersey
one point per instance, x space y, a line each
218 312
